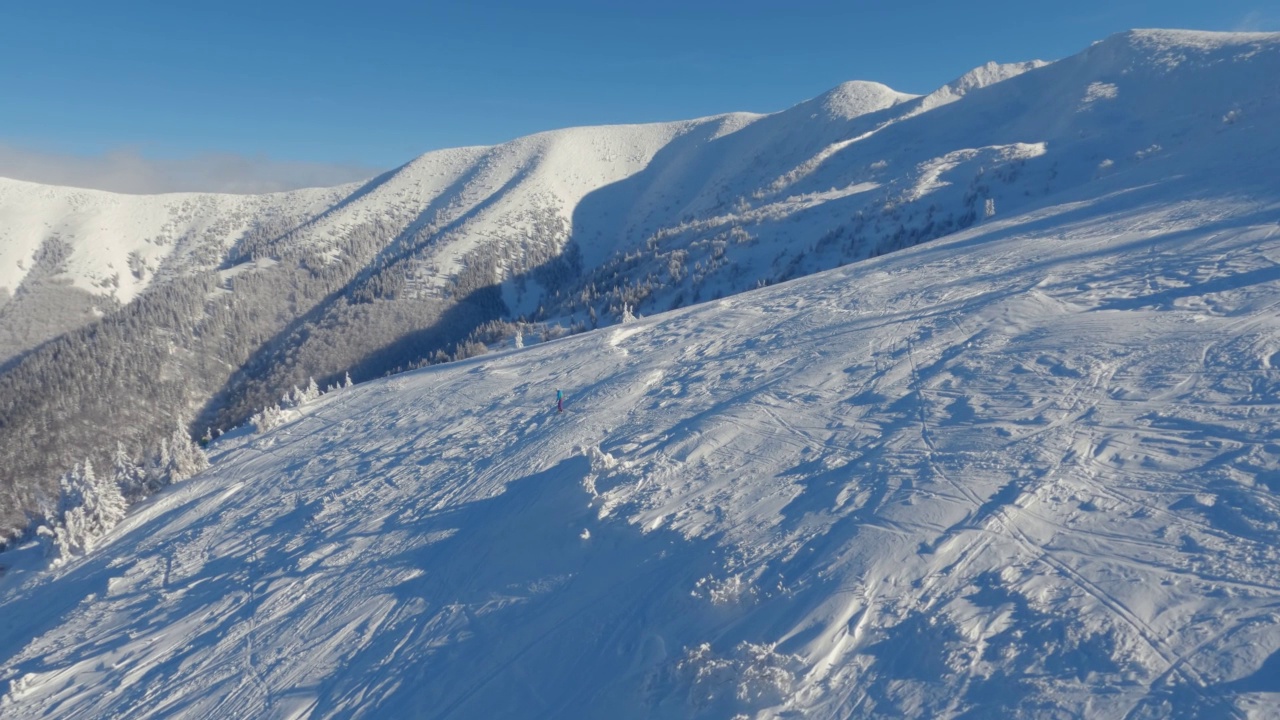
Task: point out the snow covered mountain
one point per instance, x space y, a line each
1027 469
69 256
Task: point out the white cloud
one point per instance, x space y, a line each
127 171
1259 21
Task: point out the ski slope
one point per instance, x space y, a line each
1028 470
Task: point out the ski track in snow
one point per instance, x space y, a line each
993 471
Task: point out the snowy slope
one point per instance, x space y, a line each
100 250
1027 470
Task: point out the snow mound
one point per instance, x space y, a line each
979 77
856 98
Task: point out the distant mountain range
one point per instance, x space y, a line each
123 317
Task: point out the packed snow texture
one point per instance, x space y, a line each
1029 469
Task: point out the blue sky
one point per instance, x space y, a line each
371 85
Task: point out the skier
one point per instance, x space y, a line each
559 401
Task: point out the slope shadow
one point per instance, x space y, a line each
687 168
546 623
1266 679
508 611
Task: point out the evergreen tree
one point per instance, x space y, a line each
312 392
129 477
87 509
185 457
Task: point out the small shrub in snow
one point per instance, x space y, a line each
724 591
754 676
267 418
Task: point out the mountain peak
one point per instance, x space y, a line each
855 98
979 77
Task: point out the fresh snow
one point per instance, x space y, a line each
1029 469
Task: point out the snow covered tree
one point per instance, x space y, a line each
267 418
87 509
312 392
108 503
185 457
157 470
128 475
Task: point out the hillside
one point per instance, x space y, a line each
146 314
69 256
1027 470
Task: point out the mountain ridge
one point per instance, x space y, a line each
557 232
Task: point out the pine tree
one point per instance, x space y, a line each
185 457
109 505
87 509
129 477
157 471
312 392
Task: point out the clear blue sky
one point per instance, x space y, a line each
376 83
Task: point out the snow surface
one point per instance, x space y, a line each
1032 466
1030 469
